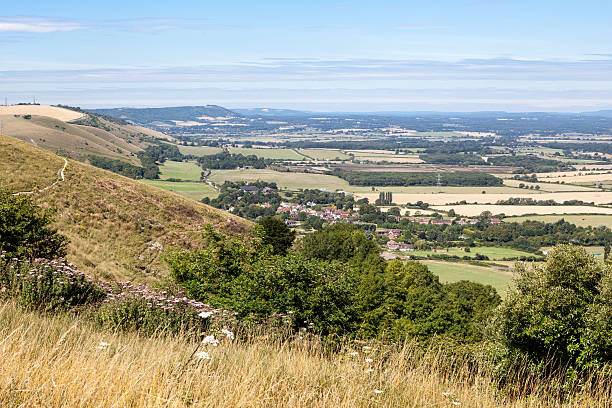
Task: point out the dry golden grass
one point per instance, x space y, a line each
472 210
75 140
62 114
118 227
598 197
58 362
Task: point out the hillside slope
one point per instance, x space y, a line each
118 227
75 134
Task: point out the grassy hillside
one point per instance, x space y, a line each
118 227
59 361
73 134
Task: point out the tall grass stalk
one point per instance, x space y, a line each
60 361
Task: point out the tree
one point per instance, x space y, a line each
561 310
25 229
341 242
277 234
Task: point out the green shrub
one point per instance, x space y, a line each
560 311
25 230
317 295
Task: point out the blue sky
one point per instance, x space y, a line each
460 55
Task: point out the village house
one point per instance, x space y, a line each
399 246
250 189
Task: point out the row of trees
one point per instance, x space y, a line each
226 160
363 178
530 164
119 167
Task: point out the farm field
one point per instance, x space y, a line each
285 180
494 253
452 191
454 272
577 219
576 176
598 197
199 150
295 181
324 154
392 159
189 189
190 171
472 210
284 154
549 187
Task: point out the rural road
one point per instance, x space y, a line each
60 177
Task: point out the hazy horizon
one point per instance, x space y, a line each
361 56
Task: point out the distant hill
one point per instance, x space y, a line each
604 113
148 116
118 227
75 133
269 112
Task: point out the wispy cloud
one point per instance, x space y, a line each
424 27
163 24
358 84
339 71
38 25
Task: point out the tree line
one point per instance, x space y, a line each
363 178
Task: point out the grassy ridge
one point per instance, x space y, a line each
86 136
117 227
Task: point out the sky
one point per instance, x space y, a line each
348 56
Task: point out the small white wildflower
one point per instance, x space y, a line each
368 360
367 348
103 345
354 353
202 355
456 403
205 315
228 334
378 391
210 340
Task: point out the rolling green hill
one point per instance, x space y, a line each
118 227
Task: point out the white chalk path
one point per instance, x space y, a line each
60 177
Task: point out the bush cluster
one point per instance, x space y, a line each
47 285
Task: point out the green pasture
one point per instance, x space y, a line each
494 253
189 171
454 272
282 154
199 150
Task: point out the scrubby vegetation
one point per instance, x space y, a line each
548 341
